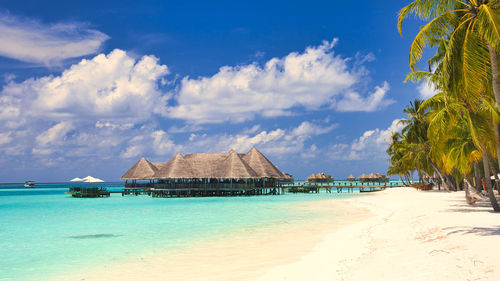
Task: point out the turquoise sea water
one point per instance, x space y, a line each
44 232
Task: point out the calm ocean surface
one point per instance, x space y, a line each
44 232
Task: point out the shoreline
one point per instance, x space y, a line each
412 235
397 234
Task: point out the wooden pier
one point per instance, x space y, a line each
135 190
307 189
350 188
162 191
371 188
94 192
328 189
212 192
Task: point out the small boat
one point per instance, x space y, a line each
29 184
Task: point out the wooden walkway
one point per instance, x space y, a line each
311 188
213 192
224 191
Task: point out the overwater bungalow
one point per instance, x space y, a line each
206 174
351 178
320 177
373 178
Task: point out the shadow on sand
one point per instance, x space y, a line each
483 206
483 231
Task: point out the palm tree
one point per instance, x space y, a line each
473 27
467 37
462 135
409 150
462 151
467 34
397 150
415 127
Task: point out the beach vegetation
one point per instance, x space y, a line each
453 137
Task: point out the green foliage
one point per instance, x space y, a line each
448 133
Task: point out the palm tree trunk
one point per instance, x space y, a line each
427 179
443 182
496 92
468 198
491 195
495 173
497 180
402 180
497 140
477 178
403 177
494 74
451 182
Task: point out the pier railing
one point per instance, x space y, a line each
201 189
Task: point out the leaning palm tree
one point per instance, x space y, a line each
473 29
466 70
463 136
462 153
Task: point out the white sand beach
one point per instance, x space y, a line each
397 234
412 235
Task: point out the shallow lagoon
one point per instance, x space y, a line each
44 232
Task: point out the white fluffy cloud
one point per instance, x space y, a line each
114 105
5 138
278 142
156 142
371 144
92 109
31 41
353 101
425 90
313 79
55 134
112 87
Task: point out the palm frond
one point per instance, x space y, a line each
437 28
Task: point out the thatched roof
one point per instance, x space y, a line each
160 165
372 176
363 176
208 165
177 166
143 169
261 165
319 176
351 177
234 167
205 165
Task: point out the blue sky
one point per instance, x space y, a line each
87 88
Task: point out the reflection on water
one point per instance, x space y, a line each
94 236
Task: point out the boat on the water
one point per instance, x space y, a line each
29 184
